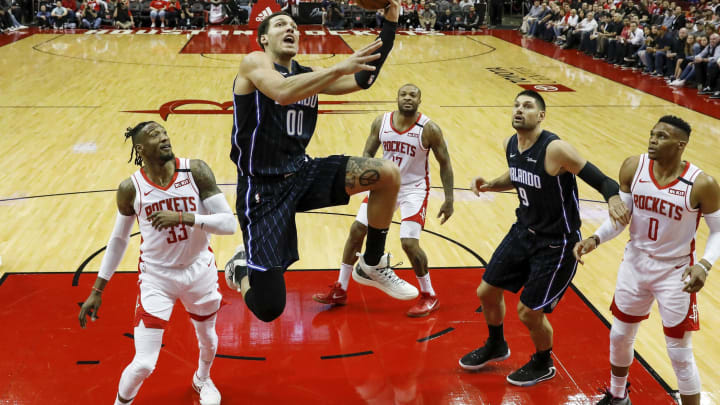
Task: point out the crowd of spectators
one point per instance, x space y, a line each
657 38
123 14
442 15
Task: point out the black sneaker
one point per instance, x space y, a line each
704 91
532 373
609 399
479 357
236 268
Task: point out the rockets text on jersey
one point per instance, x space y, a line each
406 150
177 246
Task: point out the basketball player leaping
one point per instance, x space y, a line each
275 112
407 136
536 255
177 205
667 196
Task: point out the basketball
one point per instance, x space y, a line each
372 4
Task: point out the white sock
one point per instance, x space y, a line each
207 343
344 276
617 385
426 285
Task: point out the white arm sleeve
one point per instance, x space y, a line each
221 220
712 247
607 230
116 245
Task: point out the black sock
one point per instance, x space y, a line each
375 245
496 334
543 357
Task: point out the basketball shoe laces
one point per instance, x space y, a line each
388 272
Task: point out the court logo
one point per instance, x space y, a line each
263 15
546 88
527 79
208 107
260 11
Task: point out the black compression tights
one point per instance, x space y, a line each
266 296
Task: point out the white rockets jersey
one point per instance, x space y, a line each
663 222
178 246
406 150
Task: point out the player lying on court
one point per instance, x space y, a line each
407 137
275 113
666 196
177 205
536 254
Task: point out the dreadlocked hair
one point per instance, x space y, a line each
134 132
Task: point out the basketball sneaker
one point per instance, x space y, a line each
383 278
479 357
209 394
426 304
532 373
609 399
236 268
336 295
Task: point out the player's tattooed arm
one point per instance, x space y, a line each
204 178
372 144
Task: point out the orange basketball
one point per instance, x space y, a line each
372 4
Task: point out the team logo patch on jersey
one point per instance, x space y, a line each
182 183
680 193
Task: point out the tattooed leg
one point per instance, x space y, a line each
382 178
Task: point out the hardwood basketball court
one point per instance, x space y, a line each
66 99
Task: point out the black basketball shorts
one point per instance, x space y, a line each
266 208
542 265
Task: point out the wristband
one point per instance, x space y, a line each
707 269
98 290
597 240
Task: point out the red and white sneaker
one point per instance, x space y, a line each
336 295
426 304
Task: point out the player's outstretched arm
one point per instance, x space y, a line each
563 156
608 230
705 194
115 250
502 183
365 78
257 72
436 142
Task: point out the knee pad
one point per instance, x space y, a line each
266 297
622 339
683 363
142 367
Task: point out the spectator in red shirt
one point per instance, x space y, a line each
157 8
172 13
71 7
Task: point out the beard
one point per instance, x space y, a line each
166 157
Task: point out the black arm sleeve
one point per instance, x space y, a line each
366 78
600 182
